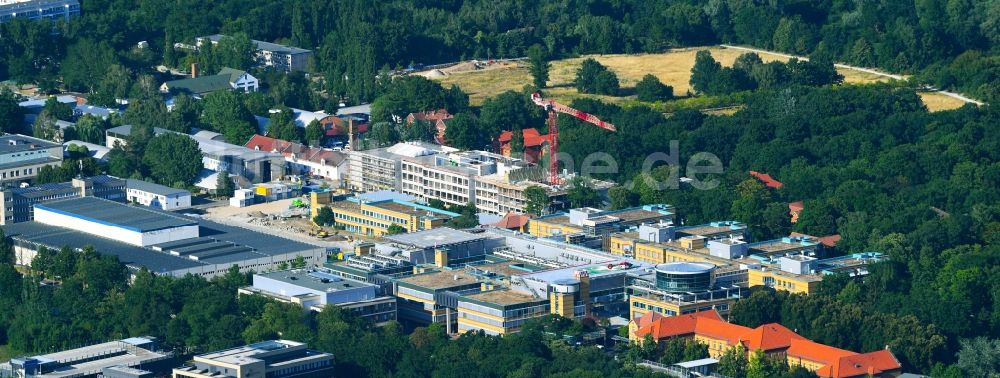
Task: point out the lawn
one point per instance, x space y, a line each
672 68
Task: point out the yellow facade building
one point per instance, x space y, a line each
499 312
376 217
642 303
596 222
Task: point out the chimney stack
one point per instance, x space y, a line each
194 70
350 134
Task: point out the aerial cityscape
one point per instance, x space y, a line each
509 189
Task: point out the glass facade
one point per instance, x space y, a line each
683 282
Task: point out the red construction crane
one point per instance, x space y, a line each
553 107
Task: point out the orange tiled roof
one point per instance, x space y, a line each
796 206
860 365
430 115
769 337
295 150
660 326
721 330
838 363
513 221
767 180
531 136
816 352
830 241
827 241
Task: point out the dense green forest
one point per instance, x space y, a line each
951 44
871 164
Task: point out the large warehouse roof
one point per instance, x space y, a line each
93 209
230 245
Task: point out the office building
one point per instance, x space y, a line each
658 243
22 156
803 273
382 168
155 195
270 359
684 288
775 340
374 218
271 55
52 10
19 202
136 357
314 289
452 177
142 237
793 263
495 280
494 183
598 223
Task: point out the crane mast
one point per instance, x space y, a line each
552 108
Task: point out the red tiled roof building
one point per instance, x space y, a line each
773 339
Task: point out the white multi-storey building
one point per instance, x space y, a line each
493 182
452 177
156 195
381 168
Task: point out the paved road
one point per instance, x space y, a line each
854 68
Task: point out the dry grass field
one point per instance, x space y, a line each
672 68
936 101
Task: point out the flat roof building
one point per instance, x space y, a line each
494 183
598 223
374 218
272 55
271 359
164 243
22 156
315 289
136 357
19 201
158 196
53 10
